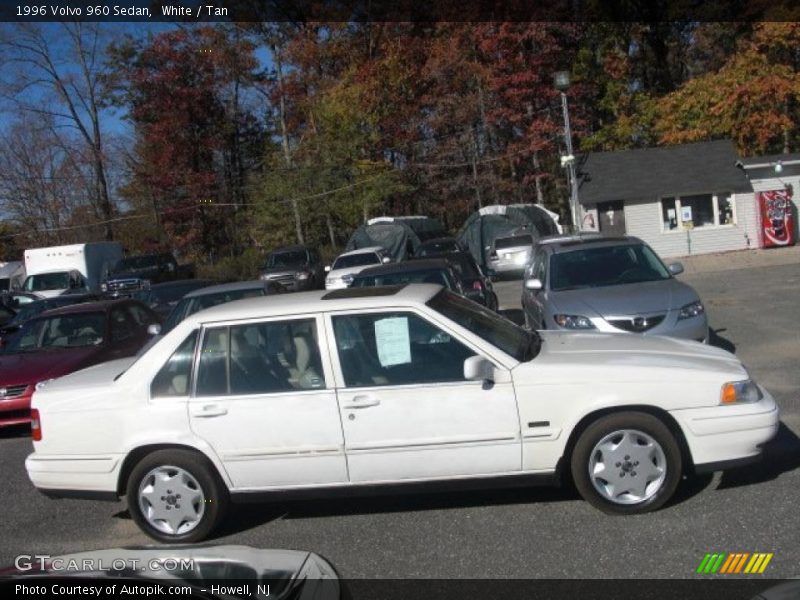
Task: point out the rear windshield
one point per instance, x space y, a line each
438 276
510 242
356 260
62 331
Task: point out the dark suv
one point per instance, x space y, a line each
136 273
297 268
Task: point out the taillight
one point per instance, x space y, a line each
36 425
477 285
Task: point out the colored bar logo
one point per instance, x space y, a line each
734 563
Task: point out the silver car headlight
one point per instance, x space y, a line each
573 322
737 392
693 309
103 287
347 279
302 275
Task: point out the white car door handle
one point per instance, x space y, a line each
362 402
209 410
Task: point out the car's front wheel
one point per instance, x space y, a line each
627 463
175 496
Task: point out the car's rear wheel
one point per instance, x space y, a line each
176 496
627 463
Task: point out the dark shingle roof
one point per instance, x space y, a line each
649 173
772 158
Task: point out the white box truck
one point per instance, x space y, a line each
75 268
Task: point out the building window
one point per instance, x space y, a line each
669 214
697 211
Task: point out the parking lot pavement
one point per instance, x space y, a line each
531 532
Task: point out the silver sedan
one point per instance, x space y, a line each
609 284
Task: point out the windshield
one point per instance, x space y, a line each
515 341
464 266
62 331
47 281
514 241
137 262
286 259
167 294
604 266
356 260
437 247
438 276
189 306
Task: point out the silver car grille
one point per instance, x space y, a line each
636 324
124 284
12 391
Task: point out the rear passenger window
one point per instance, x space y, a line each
260 358
173 378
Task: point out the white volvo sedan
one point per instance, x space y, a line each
388 385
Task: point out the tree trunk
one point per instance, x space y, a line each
475 170
298 225
537 178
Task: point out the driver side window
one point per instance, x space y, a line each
396 348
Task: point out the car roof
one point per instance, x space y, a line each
362 251
235 286
314 301
566 243
87 307
420 264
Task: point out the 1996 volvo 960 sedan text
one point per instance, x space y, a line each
387 385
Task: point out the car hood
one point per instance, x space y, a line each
628 299
591 357
33 367
276 272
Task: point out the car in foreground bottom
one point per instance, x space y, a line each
388 385
231 572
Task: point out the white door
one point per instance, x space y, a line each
407 411
261 400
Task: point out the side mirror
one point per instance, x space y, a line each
533 284
675 268
477 368
327 268
154 329
386 260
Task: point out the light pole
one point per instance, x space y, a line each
561 81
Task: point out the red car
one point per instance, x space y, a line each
64 340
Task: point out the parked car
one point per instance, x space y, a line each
135 273
475 283
25 312
163 297
348 265
437 246
64 340
212 295
511 254
297 268
425 270
397 384
614 284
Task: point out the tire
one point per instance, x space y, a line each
150 491
613 445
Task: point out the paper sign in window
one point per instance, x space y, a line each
392 341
